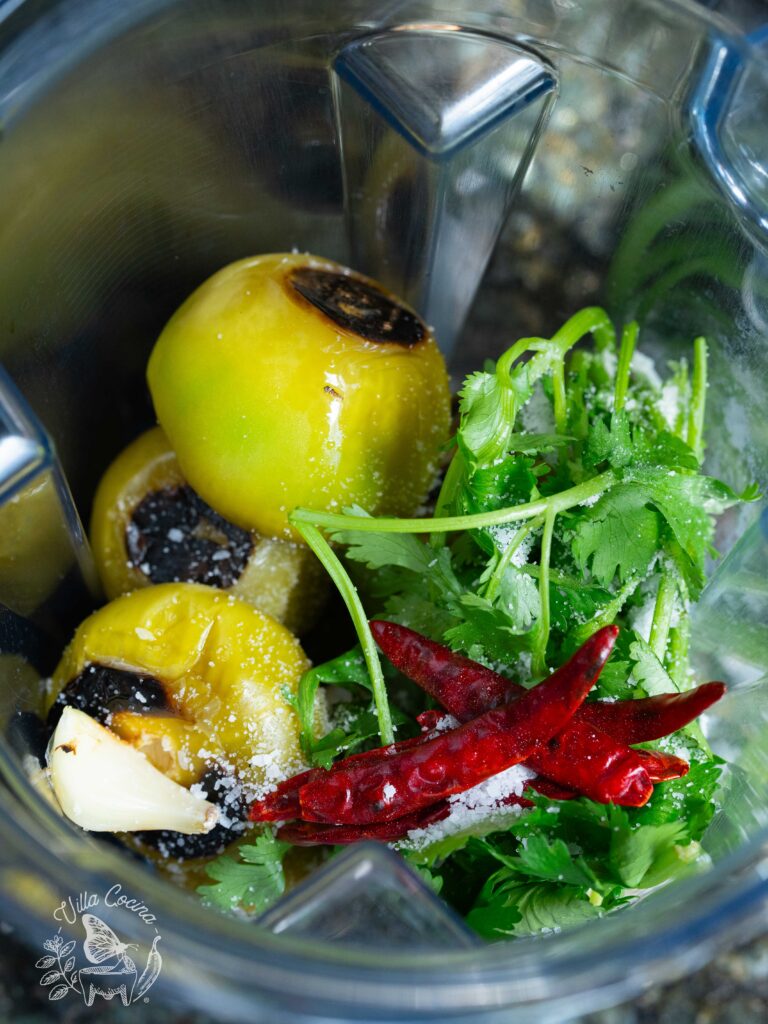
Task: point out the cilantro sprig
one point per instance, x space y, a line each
249 882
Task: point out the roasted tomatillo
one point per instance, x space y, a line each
149 526
287 380
210 677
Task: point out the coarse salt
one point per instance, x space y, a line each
477 810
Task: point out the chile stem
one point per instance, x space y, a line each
317 542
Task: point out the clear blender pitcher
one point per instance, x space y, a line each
500 164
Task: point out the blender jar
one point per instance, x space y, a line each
501 164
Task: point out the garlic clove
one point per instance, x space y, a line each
105 785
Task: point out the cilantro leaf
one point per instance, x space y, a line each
581 823
524 909
683 500
346 668
379 549
360 724
609 443
416 611
616 680
663 449
509 481
687 502
251 884
572 604
405 551
548 860
635 850
487 407
648 670
690 799
618 535
431 880
486 629
495 921
519 599
751 492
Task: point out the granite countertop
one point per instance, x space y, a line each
733 989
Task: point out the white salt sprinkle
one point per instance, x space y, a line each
478 810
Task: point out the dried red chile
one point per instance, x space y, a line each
174 536
358 306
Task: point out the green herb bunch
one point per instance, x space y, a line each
574 498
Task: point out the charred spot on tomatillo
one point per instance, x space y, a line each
173 535
285 380
149 526
101 690
358 306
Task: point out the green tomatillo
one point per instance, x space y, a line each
288 380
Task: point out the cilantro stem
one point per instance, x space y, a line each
539 663
506 361
626 350
494 583
683 384
317 542
550 355
662 615
448 488
677 655
559 502
698 398
450 482
592 320
558 393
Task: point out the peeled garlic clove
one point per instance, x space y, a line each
105 785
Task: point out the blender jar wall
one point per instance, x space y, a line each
183 136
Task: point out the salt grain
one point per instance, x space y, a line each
479 810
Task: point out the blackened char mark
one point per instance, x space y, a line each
358 306
100 691
174 536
